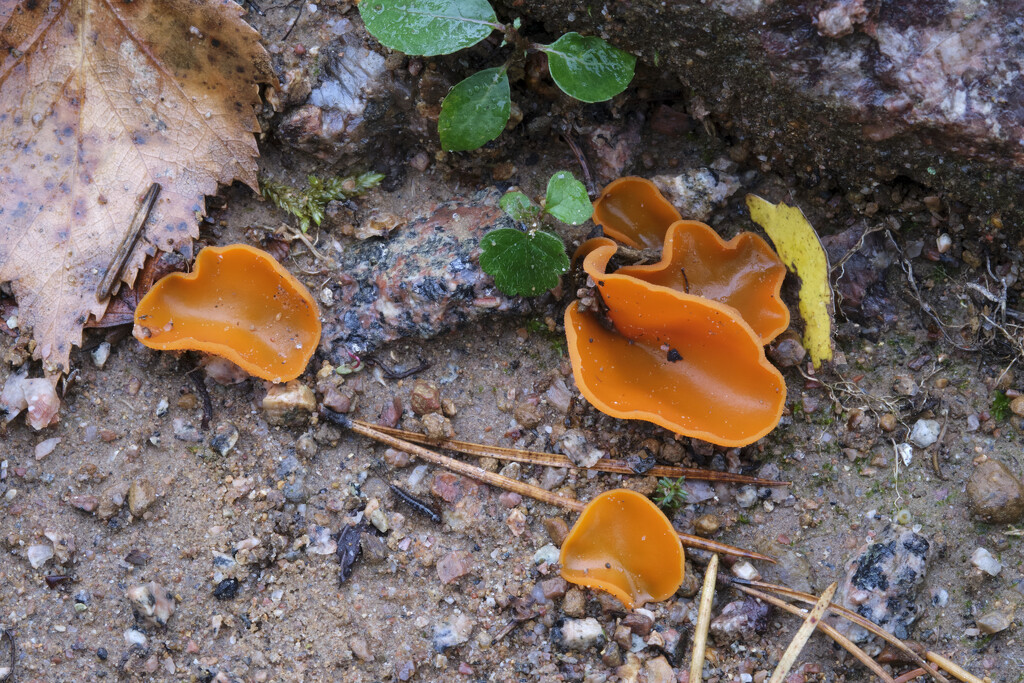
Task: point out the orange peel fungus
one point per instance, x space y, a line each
689 364
685 347
744 273
623 544
633 211
240 304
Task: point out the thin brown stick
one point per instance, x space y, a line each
953 668
471 471
911 675
803 634
112 275
855 618
556 460
835 635
700 631
937 448
513 485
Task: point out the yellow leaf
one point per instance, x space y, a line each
98 100
800 249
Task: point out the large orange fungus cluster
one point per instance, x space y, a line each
685 348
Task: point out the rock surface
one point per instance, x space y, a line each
929 90
423 281
357 108
995 494
883 580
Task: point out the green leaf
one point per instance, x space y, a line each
428 27
519 207
523 263
567 199
475 111
588 68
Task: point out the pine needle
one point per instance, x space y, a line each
556 460
509 484
835 635
953 668
700 632
850 616
803 634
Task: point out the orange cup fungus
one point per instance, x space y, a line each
240 304
623 544
744 273
633 211
687 346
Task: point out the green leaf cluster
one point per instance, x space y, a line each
670 494
308 204
529 262
477 109
1000 409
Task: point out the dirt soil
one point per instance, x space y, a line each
912 343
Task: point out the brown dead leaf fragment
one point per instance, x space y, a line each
99 99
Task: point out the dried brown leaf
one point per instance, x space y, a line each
99 99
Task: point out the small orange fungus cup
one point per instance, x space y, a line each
689 364
240 304
623 544
633 211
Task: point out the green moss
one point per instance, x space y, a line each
308 204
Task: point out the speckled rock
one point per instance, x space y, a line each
996 620
425 397
453 566
995 494
745 619
882 582
152 602
423 281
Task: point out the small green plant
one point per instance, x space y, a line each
670 494
528 261
1000 410
308 204
477 108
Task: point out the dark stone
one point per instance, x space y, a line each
226 589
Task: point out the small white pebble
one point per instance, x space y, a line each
100 354
983 560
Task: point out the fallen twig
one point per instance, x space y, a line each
911 675
908 270
556 460
509 484
112 275
803 634
581 159
700 631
